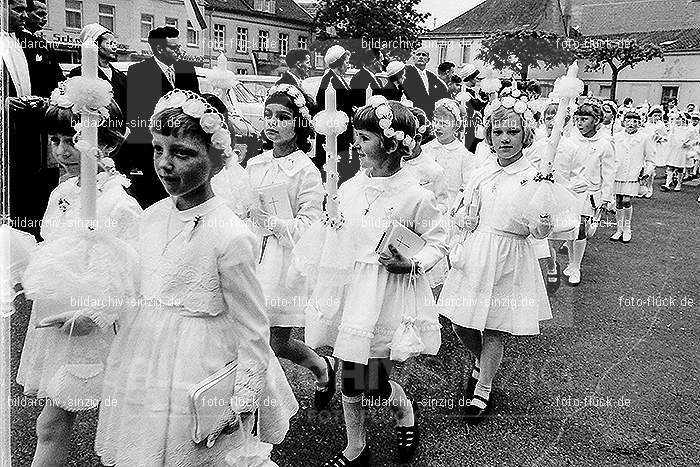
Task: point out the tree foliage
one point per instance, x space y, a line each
521 49
391 25
618 54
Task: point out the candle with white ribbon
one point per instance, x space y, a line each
222 62
331 157
89 121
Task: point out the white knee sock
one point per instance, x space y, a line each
355 429
627 219
481 390
579 250
620 218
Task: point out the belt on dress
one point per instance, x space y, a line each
501 233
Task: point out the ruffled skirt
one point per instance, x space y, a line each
626 188
145 417
360 319
496 284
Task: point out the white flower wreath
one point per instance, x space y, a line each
210 119
511 98
451 106
383 111
296 95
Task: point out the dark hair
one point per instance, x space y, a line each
366 56
404 120
628 100
31 4
302 127
534 87
295 56
110 133
456 79
588 109
423 120
444 67
157 36
176 123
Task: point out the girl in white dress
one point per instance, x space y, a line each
201 308
495 287
657 131
75 347
286 166
387 296
634 162
680 150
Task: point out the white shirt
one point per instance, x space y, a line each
168 71
424 76
16 63
599 157
107 71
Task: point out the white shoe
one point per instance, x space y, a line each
626 236
574 277
567 270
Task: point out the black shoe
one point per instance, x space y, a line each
322 397
665 188
474 414
339 460
408 438
553 279
471 385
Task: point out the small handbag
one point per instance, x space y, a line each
406 341
209 399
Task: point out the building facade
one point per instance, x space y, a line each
254 35
674 24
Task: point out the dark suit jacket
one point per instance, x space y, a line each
44 69
145 84
416 92
473 106
348 165
118 84
391 91
288 78
359 84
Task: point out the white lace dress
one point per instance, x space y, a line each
360 318
201 308
47 349
285 300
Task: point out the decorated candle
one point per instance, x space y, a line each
368 94
89 120
331 158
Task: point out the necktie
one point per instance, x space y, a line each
171 75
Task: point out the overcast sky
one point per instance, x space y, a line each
444 10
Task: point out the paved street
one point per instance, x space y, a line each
613 379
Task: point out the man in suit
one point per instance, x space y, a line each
30 72
421 86
371 62
445 70
299 63
106 54
337 60
147 82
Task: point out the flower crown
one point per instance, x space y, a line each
80 93
295 94
451 106
510 98
210 119
383 111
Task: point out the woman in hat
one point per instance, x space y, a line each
395 75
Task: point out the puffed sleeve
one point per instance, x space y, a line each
429 223
309 204
260 381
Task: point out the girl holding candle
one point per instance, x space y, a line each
494 287
62 360
385 297
202 309
288 128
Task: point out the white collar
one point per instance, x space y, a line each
456 144
419 159
290 164
196 211
163 66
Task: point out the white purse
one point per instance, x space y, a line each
209 400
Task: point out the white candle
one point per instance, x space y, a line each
222 62
331 158
558 125
89 122
368 94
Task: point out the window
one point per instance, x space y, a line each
302 42
466 48
263 41
219 36
318 61
74 14
268 6
668 92
241 71
106 16
284 43
442 52
242 40
171 22
192 35
146 26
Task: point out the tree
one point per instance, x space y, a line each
617 53
521 49
390 25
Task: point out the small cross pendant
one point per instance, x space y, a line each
366 211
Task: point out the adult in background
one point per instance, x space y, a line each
371 63
31 75
106 54
337 60
472 105
445 71
37 16
299 63
148 81
395 76
423 87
